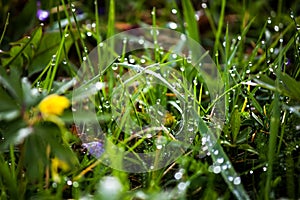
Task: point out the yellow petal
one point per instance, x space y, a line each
53 105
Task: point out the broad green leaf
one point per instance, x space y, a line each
43 137
48 47
11 85
23 50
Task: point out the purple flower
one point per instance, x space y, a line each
42 15
95 149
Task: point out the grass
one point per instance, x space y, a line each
232 135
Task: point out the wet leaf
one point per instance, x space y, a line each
48 47
235 122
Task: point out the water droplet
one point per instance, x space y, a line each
69 182
99 85
251 171
276 28
73 8
131 60
269 21
237 180
110 185
292 15
114 67
189 59
204 5
172 25
141 41
143 61
230 178
264 169
217 169
174 11
182 69
178 175
195 82
75 184
183 37
64 62
220 160
182 186
216 152
89 34
239 37
54 185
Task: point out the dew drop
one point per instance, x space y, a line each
73 8
54 185
178 175
174 11
99 85
89 34
172 25
75 184
220 160
125 40
237 181
114 67
141 41
276 28
292 15
264 169
69 182
182 186
216 152
216 169
195 82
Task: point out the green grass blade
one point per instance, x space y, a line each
190 19
274 130
5 27
220 25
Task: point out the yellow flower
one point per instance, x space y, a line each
53 105
56 164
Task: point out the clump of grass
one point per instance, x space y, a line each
254 154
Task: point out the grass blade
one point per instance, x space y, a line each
190 19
